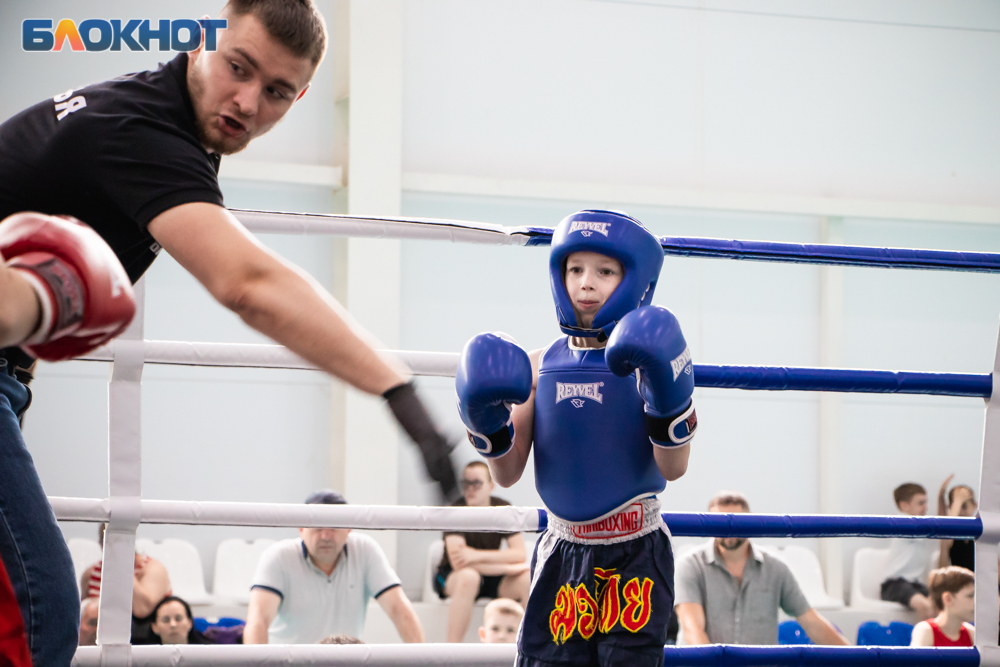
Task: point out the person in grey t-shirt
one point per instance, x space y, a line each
729 592
306 589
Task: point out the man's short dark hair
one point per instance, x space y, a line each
326 497
904 493
729 498
297 24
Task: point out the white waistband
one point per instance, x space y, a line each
633 520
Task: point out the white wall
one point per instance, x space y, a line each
875 100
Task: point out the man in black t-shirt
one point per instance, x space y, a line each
473 565
136 158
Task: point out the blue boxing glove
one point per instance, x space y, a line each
648 340
493 374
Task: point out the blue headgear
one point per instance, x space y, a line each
616 235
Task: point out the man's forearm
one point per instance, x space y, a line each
297 313
408 625
695 637
255 632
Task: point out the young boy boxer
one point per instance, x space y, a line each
608 410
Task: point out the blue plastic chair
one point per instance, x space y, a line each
896 633
790 632
202 624
901 632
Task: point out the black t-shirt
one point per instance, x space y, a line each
124 154
486 541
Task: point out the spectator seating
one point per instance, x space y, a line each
790 632
896 633
804 565
183 564
866 580
84 553
235 564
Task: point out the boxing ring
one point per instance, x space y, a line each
124 508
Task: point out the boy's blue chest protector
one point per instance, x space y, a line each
592 451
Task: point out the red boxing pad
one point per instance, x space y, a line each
87 297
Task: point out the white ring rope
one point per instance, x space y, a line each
247 355
377 517
373 655
359 226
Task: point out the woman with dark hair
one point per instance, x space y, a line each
174 624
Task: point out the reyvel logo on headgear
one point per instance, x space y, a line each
111 34
578 391
588 228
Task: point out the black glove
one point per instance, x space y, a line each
411 414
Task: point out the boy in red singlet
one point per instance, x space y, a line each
953 590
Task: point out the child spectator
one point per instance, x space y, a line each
960 500
501 619
953 590
908 557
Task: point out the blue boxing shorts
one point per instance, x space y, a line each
602 591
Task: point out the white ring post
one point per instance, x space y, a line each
987 611
114 629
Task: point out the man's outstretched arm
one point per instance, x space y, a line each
271 295
285 304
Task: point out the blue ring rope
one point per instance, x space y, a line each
728 655
778 378
810 253
714 524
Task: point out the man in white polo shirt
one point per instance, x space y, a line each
319 585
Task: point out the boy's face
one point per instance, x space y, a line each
916 506
962 604
590 280
499 628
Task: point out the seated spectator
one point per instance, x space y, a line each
960 500
953 590
729 592
340 639
908 557
88 622
173 623
501 619
309 588
473 565
150 584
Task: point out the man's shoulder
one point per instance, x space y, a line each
362 544
283 550
498 502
